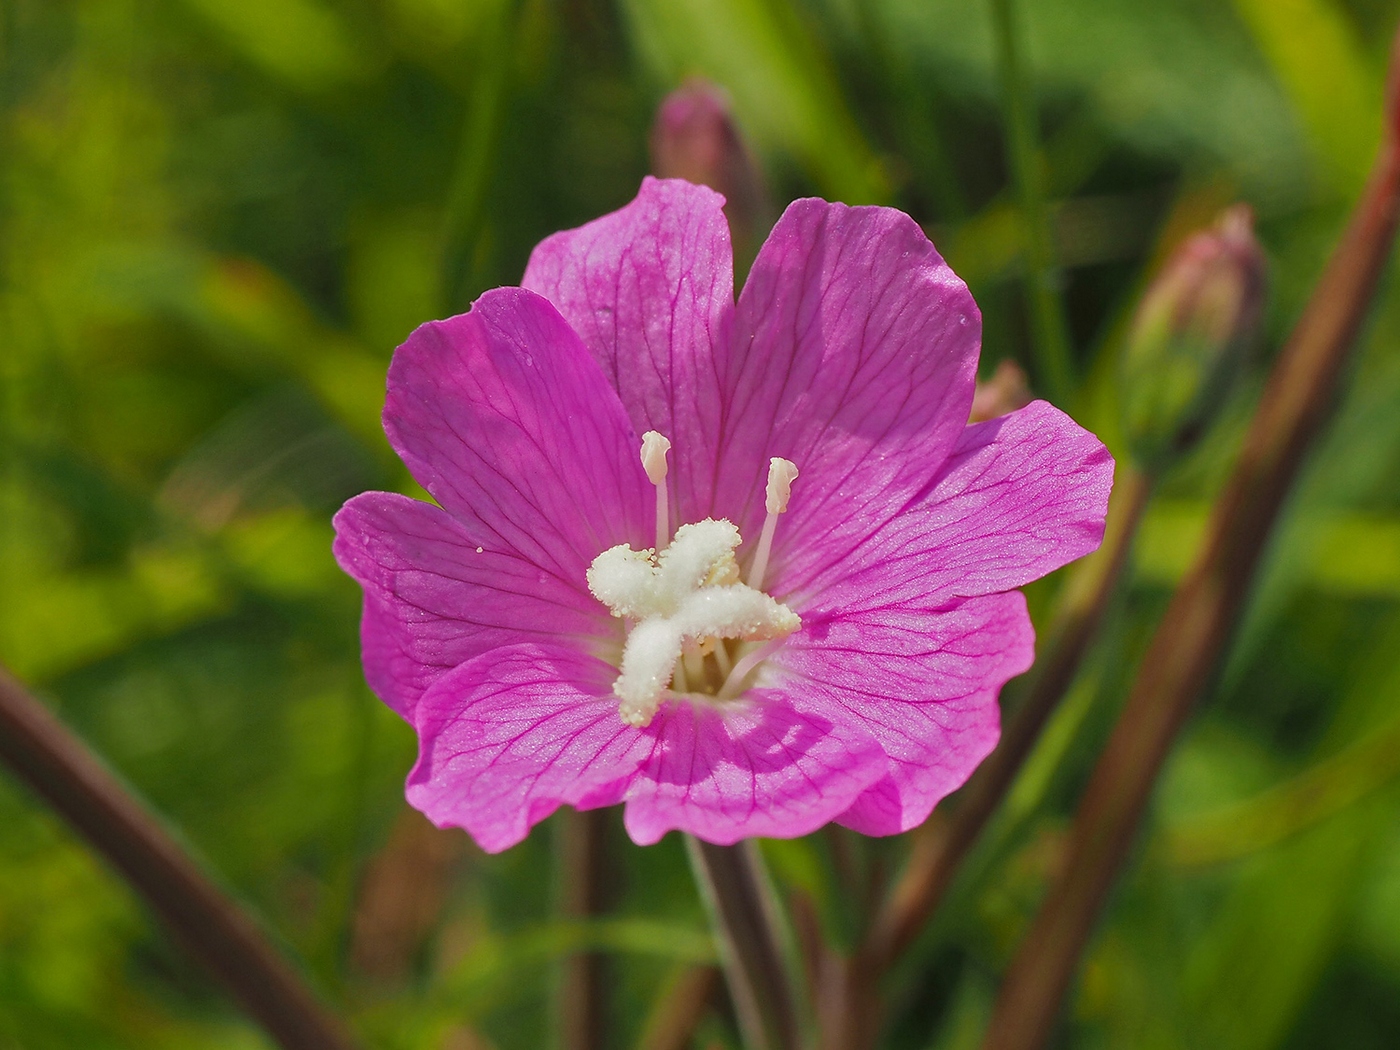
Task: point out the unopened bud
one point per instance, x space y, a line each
1191 331
695 138
1005 392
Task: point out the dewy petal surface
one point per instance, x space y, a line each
508 737
773 764
503 415
650 289
1019 497
854 356
924 682
435 598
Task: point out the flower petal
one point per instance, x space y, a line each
771 765
924 682
508 737
1020 496
435 598
650 289
854 355
504 417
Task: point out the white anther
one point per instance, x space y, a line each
654 449
781 474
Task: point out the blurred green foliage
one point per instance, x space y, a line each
218 217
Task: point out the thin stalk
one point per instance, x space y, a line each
938 853
213 927
465 212
679 1009
943 844
1186 649
753 950
1054 368
583 999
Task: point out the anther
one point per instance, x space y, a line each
654 449
781 474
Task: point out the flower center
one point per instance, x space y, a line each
698 630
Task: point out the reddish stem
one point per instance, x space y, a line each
1188 644
583 998
853 1007
940 850
213 927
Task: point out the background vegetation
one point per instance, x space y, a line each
217 219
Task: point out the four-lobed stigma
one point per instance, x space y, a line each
697 629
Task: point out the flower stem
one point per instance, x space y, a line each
212 926
1187 646
747 925
582 1006
464 215
680 1007
1055 370
940 850
941 845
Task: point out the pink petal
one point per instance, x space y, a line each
924 682
854 355
504 417
508 737
771 764
434 597
650 289
1020 496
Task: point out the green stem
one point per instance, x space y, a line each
465 213
747 924
1054 368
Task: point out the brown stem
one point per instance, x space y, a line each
684 1005
942 844
583 994
212 926
1187 646
940 850
747 926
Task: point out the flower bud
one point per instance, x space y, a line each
1005 392
695 138
1191 331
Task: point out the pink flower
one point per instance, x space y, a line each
527 631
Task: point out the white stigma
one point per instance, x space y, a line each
687 597
781 474
654 449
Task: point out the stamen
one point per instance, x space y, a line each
781 474
686 601
654 449
694 662
734 684
721 652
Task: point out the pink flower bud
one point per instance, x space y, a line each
1190 333
1005 392
694 138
